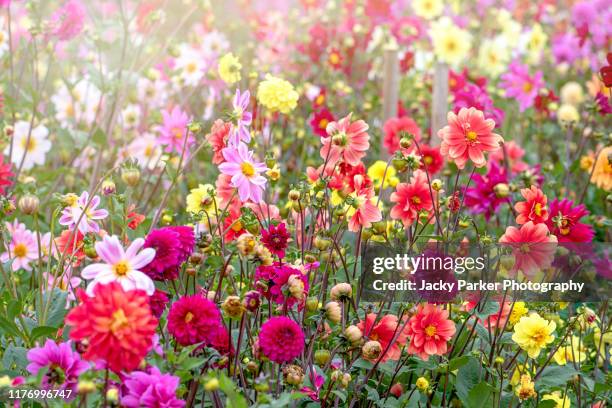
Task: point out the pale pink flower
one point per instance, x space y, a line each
348 141
173 130
84 217
245 171
22 249
68 21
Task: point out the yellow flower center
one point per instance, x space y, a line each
428 159
415 200
334 59
177 132
471 136
70 110
191 67
121 268
20 250
430 330
323 123
247 169
237 226
119 321
28 145
537 209
527 87
319 100
188 317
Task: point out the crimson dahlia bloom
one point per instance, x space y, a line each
194 319
273 282
564 221
275 239
117 324
430 329
173 246
281 339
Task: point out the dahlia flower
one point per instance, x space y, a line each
274 282
158 301
363 210
83 214
172 246
245 172
117 325
348 141
602 173
467 136
411 199
564 221
63 365
151 389
489 193
277 95
532 247
240 130
533 208
229 68
275 239
193 319
394 129
520 85
431 159
67 22
281 339
532 333
384 331
430 329
173 130
5 175
122 266
22 249
320 120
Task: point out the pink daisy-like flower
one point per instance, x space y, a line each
22 250
245 172
217 138
151 389
122 266
395 128
242 118
193 319
520 85
533 208
275 239
348 141
564 221
83 216
411 199
429 330
173 130
467 136
63 365
281 339
532 246
363 212
68 21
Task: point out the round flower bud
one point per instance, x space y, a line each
436 184
252 367
322 357
191 271
312 304
85 387
252 300
399 164
422 384
321 243
502 190
294 195
397 390
333 312
233 307
108 187
371 350
345 380
296 287
405 142
112 395
28 204
293 374
211 385
353 334
341 291
196 258
130 176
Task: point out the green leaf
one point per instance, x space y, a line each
479 396
42 331
57 308
458 362
555 376
15 358
547 404
467 378
9 327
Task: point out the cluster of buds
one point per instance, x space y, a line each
343 379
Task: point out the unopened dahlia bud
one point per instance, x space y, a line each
322 357
293 374
321 243
112 395
294 195
246 244
333 311
436 184
85 387
196 258
252 300
371 350
341 291
345 380
399 164
397 390
502 190
353 334
191 271
211 385
312 304
233 307
28 204
296 287
131 176
405 142
422 384
108 187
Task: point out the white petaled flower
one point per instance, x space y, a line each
122 266
29 147
190 65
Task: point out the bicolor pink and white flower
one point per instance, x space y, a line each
22 250
122 266
245 172
83 214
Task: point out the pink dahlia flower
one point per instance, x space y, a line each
348 141
275 239
82 216
430 329
172 245
467 136
281 339
521 86
22 249
275 279
532 247
564 221
193 319
122 266
245 172
364 211
242 117
533 208
63 365
68 21
396 128
173 130
151 389
411 199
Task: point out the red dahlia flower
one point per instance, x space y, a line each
430 329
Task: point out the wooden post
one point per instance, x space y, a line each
439 100
390 90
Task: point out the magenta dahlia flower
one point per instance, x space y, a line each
151 389
564 221
275 239
68 21
64 365
173 246
281 339
521 86
194 319
158 301
487 195
245 171
275 278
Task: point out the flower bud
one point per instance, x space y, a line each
108 187
322 357
345 380
333 312
191 271
436 184
321 243
294 195
85 387
112 395
296 287
405 142
28 204
379 227
397 390
211 385
293 374
246 244
196 258
502 190
233 307
353 334
130 176
422 384
312 304
371 350
341 291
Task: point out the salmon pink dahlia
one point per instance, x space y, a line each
532 247
396 128
281 339
348 141
467 136
117 325
533 208
430 329
411 199
385 331
363 212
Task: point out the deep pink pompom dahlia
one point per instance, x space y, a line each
281 339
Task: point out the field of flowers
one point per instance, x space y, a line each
188 189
